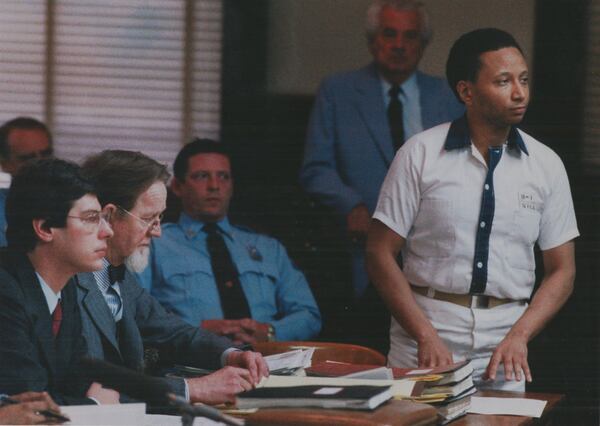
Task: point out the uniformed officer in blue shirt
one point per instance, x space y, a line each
276 304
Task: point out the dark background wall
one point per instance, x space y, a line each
565 356
267 133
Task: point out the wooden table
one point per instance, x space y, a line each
481 419
396 413
399 413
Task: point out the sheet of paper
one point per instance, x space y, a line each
299 358
412 373
109 415
381 373
507 406
162 420
399 387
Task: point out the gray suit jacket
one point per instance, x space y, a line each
144 322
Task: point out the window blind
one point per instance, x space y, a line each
118 76
22 58
113 74
206 65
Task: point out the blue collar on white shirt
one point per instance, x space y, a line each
459 137
192 227
52 298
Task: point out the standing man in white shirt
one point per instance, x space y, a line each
466 202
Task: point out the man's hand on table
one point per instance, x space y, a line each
252 361
28 411
221 386
512 352
432 351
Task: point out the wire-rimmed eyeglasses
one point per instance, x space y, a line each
149 224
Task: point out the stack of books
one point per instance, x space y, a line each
447 388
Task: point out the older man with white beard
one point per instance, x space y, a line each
119 318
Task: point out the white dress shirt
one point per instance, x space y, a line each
52 298
432 197
411 104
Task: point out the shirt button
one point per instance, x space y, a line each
482 224
486 187
479 265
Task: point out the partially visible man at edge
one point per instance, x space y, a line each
55 230
21 139
120 318
466 202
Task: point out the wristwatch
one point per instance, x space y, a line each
271 333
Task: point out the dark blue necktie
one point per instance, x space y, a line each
233 299
116 274
395 117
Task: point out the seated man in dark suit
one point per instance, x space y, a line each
55 230
119 317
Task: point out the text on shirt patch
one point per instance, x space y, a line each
526 202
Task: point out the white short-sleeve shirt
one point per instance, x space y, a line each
432 197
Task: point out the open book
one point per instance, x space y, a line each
348 397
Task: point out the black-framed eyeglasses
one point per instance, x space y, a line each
149 224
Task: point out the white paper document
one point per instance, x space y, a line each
109 414
507 406
124 414
162 420
299 358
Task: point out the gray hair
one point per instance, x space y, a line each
120 177
374 13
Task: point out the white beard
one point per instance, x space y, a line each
138 260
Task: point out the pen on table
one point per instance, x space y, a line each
6 400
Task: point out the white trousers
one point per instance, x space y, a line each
468 333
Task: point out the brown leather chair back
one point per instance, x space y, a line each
326 351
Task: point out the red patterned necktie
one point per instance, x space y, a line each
57 318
